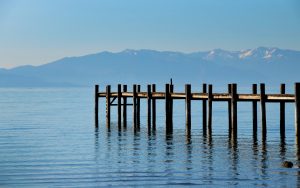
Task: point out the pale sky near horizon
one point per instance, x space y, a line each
39 31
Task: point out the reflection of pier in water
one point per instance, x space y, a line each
201 160
206 96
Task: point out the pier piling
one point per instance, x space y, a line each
138 108
297 110
210 98
108 106
204 110
171 104
167 109
254 110
119 98
188 108
134 111
124 107
234 109
149 108
229 112
282 113
263 110
96 106
153 87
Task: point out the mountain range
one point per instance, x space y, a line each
268 65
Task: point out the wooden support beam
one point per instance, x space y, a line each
254 110
125 107
263 111
134 107
96 106
167 109
287 98
204 110
297 110
119 106
114 98
153 109
188 109
108 106
282 113
210 98
229 111
149 108
234 110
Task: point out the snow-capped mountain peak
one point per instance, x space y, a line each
245 53
260 54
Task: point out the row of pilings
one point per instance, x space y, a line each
122 99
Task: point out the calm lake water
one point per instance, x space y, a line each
48 139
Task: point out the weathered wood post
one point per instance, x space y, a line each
96 106
138 108
153 109
108 106
124 107
254 110
204 108
167 109
210 99
119 98
234 110
171 103
282 112
149 108
263 110
297 111
134 94
229 111
188 108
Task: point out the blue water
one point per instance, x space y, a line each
48 139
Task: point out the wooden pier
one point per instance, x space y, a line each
206 96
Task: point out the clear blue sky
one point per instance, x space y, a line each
40 31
